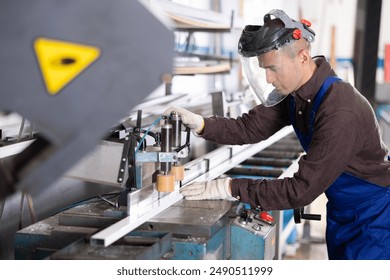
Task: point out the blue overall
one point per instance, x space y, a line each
358 212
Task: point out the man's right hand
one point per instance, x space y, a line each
189 119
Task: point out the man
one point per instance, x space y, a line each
345 156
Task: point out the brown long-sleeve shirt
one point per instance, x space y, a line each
346 138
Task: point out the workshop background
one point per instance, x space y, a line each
86 160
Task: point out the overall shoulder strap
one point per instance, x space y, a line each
319 97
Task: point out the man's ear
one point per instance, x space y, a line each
304 56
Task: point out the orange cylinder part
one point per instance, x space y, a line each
178 171
165 183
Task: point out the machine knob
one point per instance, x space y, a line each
299 215
266 217
243 221
256 227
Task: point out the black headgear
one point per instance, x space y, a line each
257 39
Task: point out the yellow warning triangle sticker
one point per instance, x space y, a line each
61 61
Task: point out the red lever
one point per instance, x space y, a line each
306 22
297 34
266 217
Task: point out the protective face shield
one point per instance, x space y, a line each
255 40
257 79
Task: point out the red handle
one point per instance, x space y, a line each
266 217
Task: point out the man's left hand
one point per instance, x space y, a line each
216 189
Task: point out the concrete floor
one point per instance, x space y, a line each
308 251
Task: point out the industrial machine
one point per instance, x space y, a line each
102 179
160 224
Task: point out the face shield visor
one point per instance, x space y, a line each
256 41
257 80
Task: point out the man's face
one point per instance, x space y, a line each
282 71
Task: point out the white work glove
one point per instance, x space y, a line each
189 119
216 189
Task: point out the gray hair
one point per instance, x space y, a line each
292 49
